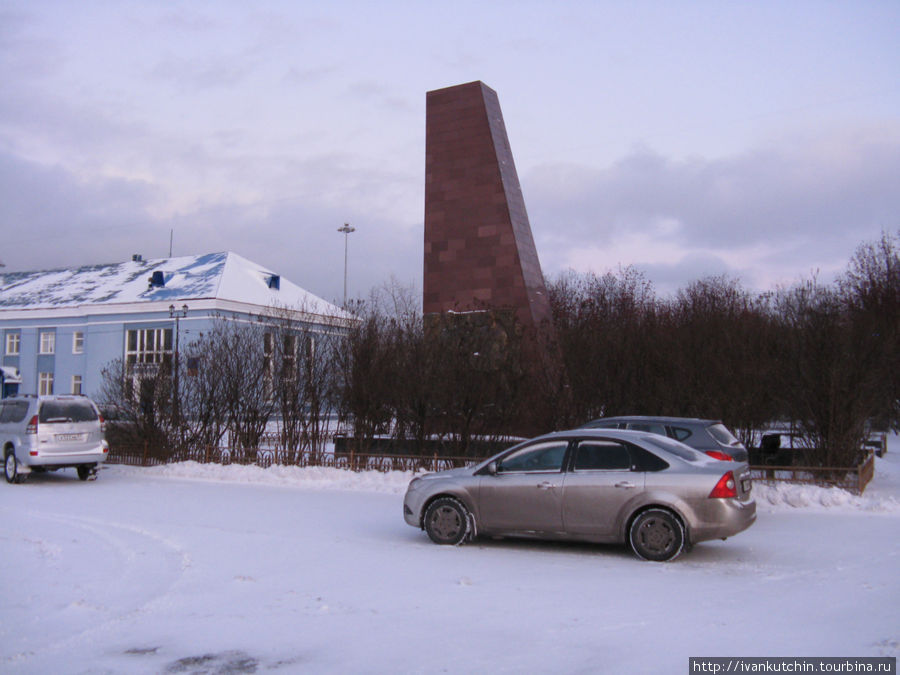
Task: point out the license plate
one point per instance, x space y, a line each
69 437
746 485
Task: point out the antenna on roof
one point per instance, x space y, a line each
171 236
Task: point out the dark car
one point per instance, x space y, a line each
709 436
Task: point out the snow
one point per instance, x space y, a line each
223 276
194 568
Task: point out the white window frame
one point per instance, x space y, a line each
47 339
13 344
77 385
45 384
78 342
150 345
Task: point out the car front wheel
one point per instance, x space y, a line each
656 534
447 521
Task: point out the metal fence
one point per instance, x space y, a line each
145 455
854 479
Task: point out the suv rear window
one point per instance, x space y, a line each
722 435
66 411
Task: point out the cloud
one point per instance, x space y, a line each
105 219
767 215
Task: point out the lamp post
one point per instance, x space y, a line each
346 229
177 315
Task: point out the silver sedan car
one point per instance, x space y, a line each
598 485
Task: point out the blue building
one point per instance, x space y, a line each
59 328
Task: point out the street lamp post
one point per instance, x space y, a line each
346 229
177 315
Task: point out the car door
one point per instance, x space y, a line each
525 494
599 484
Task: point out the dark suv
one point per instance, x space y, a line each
709 436
39 433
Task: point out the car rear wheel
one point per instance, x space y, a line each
11 468
656 534
447 521
85 472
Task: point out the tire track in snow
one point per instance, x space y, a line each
133 571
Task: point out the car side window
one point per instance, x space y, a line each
13 411
646 461
658 429
681 434
540 457
602 456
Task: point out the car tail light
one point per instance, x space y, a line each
32 425
726 487
102 423
715 454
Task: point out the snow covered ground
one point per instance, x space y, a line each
206 569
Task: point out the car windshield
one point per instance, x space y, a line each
680 450
67 411
722 435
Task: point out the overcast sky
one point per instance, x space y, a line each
757 139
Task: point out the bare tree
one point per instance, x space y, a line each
828 372
871 289
138 400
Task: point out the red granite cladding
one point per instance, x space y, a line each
479 251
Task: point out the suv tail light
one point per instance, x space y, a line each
726 487
715 454
32 425
102 423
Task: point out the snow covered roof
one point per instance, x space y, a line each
214 276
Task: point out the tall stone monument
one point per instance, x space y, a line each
479 251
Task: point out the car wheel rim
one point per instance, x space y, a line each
657 536
446 522
10 466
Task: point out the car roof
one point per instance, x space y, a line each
588 432
662 419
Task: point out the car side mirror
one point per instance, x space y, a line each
492 468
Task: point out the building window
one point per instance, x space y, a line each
78 342
48 342
76 384
13 344
289 358
45 384
268 365
148 345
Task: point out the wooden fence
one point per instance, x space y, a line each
855 479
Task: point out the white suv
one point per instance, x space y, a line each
39 433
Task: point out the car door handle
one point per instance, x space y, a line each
545 486
626 484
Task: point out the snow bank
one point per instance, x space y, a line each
314 477
881 496
786 496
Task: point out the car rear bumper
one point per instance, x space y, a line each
721 518
90 455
